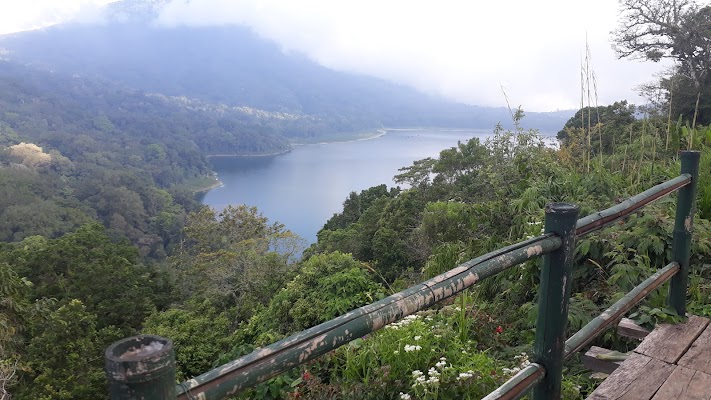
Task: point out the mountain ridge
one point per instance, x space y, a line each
233 66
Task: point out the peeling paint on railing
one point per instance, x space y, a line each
301 347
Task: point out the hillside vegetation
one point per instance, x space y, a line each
231 281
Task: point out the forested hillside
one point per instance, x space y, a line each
77 150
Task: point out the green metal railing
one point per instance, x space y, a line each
143 367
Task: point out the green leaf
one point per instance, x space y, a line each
670 311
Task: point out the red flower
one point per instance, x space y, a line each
499 329
306 375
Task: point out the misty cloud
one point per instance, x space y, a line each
462 50
34 14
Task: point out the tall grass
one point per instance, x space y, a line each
588 91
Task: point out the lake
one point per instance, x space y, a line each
303 188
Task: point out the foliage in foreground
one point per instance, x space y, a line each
233 284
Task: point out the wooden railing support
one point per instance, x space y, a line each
141 368
683 226
553 296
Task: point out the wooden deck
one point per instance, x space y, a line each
673 362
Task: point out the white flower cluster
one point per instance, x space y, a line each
410 348
403 322
511 371
419 377
417 338
465 375
405 396
522 359
433 373
523 362
432 377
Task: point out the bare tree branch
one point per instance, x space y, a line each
673 29
7 378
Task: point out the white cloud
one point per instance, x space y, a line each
462 49
22 15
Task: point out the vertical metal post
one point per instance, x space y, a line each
683 226
141 368
554 293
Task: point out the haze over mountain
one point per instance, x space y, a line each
231 65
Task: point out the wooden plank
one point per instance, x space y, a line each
629 329
593 363
685 384
669 342
638 378
698 357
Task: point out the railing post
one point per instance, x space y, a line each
141 368
683 226
556 281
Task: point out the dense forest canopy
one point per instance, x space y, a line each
77 150
101 238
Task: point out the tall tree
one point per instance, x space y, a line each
66 356
234 257
612 118
87 265
668 29
676 29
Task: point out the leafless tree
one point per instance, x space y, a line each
674 29
7 378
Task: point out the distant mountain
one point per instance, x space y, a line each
231 65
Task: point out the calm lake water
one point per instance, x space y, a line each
303 188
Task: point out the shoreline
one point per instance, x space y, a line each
346 139
276 153
214 185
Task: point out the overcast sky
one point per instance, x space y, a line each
464 50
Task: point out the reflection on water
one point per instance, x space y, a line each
305 187
228 164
